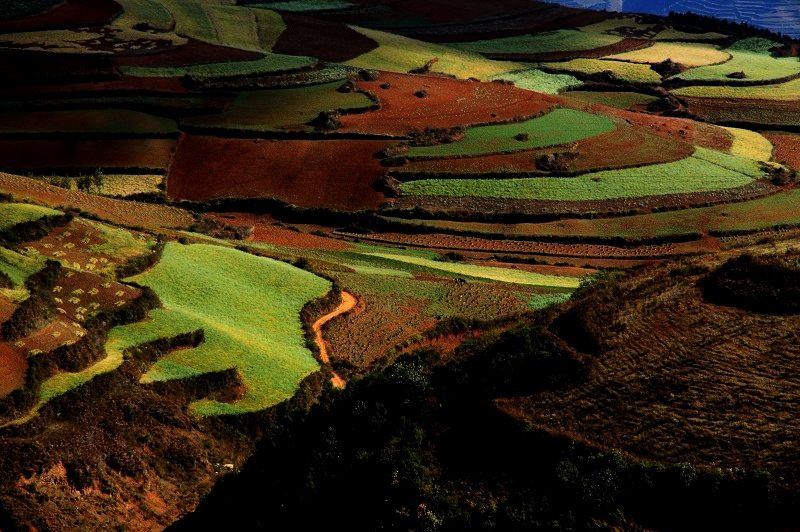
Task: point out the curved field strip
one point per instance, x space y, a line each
540 81
685 53
269 64
308 36
750 144
671 34
122 212
620 100
550 41
12 214
449 103
560 126
625 146
777 210
71 13
754 113
401 54
789 91
281 109
151 12
105 121
304 6
503 275
706 171
750 56
631 72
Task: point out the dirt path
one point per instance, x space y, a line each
348 303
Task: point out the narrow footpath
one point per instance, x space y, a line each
348 303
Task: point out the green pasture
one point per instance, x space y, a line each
750 56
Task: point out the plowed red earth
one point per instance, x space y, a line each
746 111
12 369
72 13
152 154
787 148
192 53
311 37
625 147
449 103
265 229
312 173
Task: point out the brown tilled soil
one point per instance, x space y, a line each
122 212
13 365
69 14
311 173
746 111
528 247
677 379
266 229
124 84
449 103
192 53
787 148
312 37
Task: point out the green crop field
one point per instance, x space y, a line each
671 34
788 91
540 81
249 308
12 214
750 56
559 126
304 5
706 171
503 275
270 63
279 109
621 100
401 54
685 53
550 41
632 72
151 12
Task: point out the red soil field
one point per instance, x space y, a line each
306 36
121 212
746 111
449 103
625 45
266 229
626 146
69 14
311 173
192 53
150 154
787 148
13 365
79 294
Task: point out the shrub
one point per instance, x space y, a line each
327 121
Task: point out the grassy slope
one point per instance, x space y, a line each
782 91
559 126
12 214
249 308
704 172
540 81
401 54
632 72
689 54
752 57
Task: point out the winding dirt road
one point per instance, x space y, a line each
348 303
